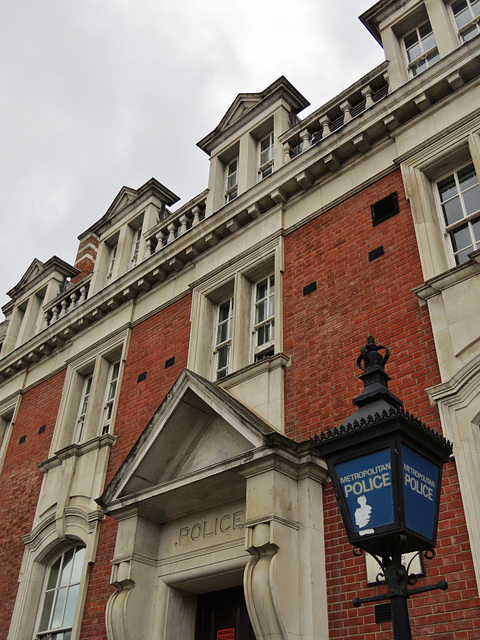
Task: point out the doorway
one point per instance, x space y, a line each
223 615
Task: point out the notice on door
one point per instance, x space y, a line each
226 634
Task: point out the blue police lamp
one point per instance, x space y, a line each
386 470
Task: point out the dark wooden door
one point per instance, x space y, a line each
222 615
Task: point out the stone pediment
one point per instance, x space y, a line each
198 431
246 105
121 200
38 271
242 103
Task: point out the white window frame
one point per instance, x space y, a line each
83 407
238 281
136 241
425 53
223 338
265 324
467 220
112 257
474 20
266 156
231 180
72 427
111 393
59 631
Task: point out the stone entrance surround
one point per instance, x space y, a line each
212 496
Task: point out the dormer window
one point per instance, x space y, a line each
266 156
467 15
421 49
231 187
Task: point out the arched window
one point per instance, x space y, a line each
60 594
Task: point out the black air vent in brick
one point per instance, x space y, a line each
310 288
141 377
375 253
42 428
383 613
170 362
22 439
385 208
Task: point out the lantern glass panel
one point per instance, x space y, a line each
366 483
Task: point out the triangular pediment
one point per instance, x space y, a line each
123 197
242 103
38 272
197 431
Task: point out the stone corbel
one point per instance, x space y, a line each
116 610
259 585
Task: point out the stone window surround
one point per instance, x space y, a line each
8 415
236 280
42 546
129 249
62 584
470 218
97 361
460 29
421 172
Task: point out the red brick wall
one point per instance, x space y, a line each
323 332
161 337
20 483
86 256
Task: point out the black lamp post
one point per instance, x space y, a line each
386 470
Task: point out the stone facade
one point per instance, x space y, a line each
158 398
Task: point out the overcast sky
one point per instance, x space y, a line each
97 94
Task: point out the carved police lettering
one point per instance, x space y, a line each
225 523
195 531
210 528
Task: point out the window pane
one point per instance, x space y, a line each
261 312
222 332
262 288
223 357
461 238
67 568
452 211
57 620
428 42
262 335
467 177
70 606
459 5
432 57
471 199
53 574
78 564
476 8
410 39
470 33
414 53
476 230
447 188
47 608
425 29
462 18
224 311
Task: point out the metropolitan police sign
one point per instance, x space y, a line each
366 483
421 480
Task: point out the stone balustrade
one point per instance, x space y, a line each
335 114
174 225
70 299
